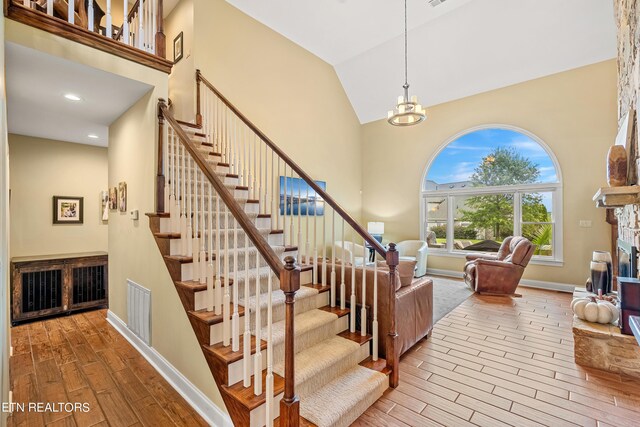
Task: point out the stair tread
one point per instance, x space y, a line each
245 395
305 322
356 337
336 310
379 365
305 267
319 287
183 259
227 355
350 388
210 318
195 285
277 298
188 124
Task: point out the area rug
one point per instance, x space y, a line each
447 295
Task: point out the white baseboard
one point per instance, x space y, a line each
528 283
211 413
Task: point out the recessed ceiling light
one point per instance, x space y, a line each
93 136
72 97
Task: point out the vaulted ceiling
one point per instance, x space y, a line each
456 49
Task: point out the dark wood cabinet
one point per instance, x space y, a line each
54 284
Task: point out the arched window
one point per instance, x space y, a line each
488 183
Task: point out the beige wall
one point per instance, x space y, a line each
5 332
292 95
573 112
182 80
41 169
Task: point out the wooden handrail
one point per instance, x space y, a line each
227 198
301 173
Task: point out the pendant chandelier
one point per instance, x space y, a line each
407 112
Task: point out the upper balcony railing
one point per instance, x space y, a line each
140 37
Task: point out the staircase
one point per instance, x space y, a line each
257 279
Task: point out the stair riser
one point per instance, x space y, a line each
217 332
258 415
301 306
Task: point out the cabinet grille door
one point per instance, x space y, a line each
89 284
41 290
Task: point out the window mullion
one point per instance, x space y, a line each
517 213
450 222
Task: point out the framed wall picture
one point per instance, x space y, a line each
113 198
68 210
300 198
104 205
177 48
122 197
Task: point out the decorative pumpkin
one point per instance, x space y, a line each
594 309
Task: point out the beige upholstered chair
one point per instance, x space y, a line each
500 273
414 250
353 252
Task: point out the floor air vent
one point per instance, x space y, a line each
139 311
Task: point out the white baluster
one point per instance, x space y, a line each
286 204
178 183
257 367
363 309
246 345
226 305
235 318
210 269
166 168
90 16
203 234
26 3
274 191
374 326
125 23
110 20
307 248
154 24
291 219
333 258
172 181
269 378
195 241
218 282
49 7
190 210
300 245
325 282
343 295
71 11
315 242
183 201
277 195
352 316
140 33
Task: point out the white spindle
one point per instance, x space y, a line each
71 11
274 186
246 345
269 378
26 3
352 324
210 269
257 367
315 242
165 168
343 295
325 282
218 282
277 195
110 20
125 23
363 309
178 184
226 305
49 7
190 208
90 16
154 24
286 204
140 33
174 213
291 219
183 202
203 234
374 325
299 243
266 178
333 258
307 248
195 241
235 319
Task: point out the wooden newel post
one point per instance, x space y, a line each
290 403
161 39
393 259
198 111
160 181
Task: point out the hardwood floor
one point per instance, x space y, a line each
493 361
498 361
81 358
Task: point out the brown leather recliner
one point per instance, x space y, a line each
501 273
414 304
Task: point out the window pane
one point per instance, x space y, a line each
436 230
540 235
537 207
482 222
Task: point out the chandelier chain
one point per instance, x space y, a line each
406 49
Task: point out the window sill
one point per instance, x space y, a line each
462 254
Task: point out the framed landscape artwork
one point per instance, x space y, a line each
68 210
300 198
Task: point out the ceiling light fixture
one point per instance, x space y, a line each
407 112
93 136
72 97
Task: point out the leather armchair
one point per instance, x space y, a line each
500 273
414 250
353 252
